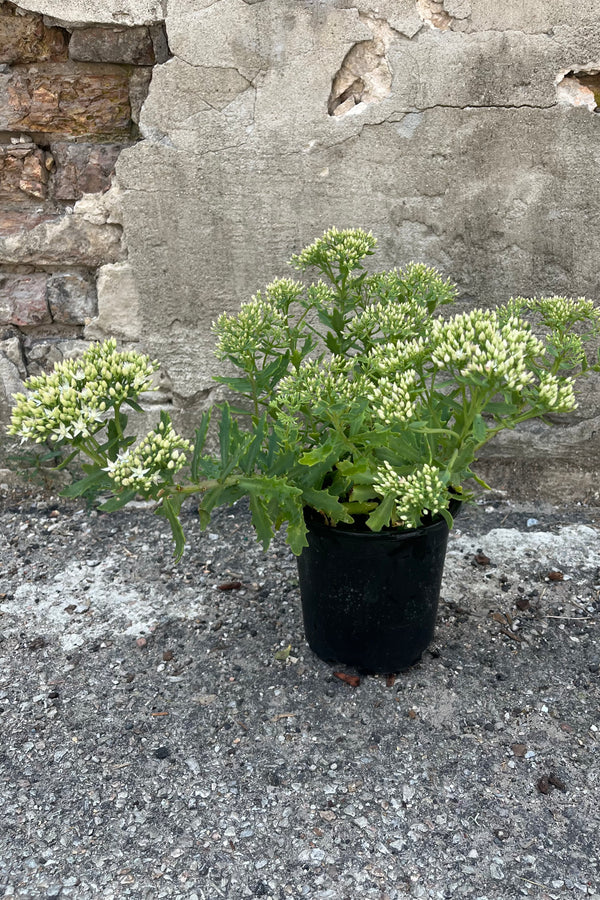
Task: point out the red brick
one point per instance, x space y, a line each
25 38
82 168
71 298
130 45
20 221
23 172
23 300
66 98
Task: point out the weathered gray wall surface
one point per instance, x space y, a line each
463 133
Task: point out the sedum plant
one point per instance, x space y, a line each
357 398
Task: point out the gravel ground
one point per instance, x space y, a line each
153 745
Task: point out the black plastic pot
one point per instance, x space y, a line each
370 599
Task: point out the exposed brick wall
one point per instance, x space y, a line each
69 102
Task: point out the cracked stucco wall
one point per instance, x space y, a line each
454 130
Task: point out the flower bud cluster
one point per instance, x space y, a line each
418 494
257 327
561 313
568 346
159 455
391 398
556 393
319 384
417 283
320 296
400 356
476 344
282 292
70 401
339 249
389 320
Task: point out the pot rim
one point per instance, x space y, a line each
314 521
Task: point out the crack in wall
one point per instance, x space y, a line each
365 75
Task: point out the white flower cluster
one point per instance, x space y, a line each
416 282
257 326
320 296
563 312
400 356
418 494
319 384
340 249
70 401
391 398
477 344
557 393
389 320
159 453
281 292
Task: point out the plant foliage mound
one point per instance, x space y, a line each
357 398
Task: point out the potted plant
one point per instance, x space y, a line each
362 411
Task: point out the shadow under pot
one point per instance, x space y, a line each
370 600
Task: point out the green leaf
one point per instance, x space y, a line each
362 508
480 481
221 495
323 315
261 520
479 428
362 492
284 501
225 434
170 510
324 502
401 450
500 408
462 460
134 405
359 411
337 321
281 465
199 442
249 457
332 343
323 453
97 479
268 377
282 655
111 448
296 534
118 501
381 516
239 385
204 516
447 516
339 486
359 471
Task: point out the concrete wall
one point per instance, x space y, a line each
463 133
